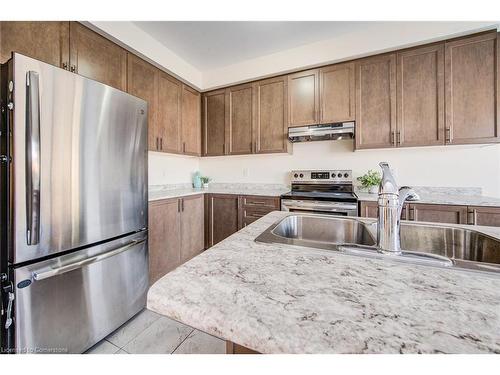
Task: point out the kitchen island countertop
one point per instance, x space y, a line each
286 299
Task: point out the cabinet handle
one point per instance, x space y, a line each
398 138
161 143
183 146
178 205
182 204
65 65
447 136
472 217
393 137
411 214
223 149
157 143
73 69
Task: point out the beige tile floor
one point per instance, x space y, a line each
151 333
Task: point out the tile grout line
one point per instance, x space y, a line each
185 338
128 342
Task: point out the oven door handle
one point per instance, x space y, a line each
318 206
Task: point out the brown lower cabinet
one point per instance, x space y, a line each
222 217
442 213
176 233
252 207
227 213
232 348
481 215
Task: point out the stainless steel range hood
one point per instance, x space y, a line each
342 130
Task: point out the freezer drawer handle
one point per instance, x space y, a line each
32 159
46 273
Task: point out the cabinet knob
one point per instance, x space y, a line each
73 68
65 65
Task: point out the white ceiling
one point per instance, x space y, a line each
215 44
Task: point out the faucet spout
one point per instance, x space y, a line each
391 200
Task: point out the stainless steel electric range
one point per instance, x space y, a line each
321 191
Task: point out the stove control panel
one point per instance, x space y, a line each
322 176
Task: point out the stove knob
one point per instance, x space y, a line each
334 175
295 175
301 175
339 175
346 175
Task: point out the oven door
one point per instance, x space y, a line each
320 207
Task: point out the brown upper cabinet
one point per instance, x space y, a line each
239 131
214 123
472 93
376 102
143 82
169 113
96 57
303 98
246 119
45 41
420 96
191 121
271 115
337 93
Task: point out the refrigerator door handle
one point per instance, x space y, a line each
50 272
32 158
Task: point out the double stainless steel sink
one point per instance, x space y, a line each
435 245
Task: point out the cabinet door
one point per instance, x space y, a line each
192 229
271 115
169 113
437 213
420 96
96 57
481 215
239 104
223 217
45 41
214 123
376 102
337 99
142 82
164 237
471 82
191 116
303 98
368 209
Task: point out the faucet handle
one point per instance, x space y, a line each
388 183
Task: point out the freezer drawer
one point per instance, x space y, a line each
68 304
79 161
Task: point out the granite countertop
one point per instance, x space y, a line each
271 190
284 299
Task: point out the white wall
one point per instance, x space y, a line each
171 169
370 39
456 166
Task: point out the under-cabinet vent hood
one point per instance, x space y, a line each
341 130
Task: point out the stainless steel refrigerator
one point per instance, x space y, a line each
73 208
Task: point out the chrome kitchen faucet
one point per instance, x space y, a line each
390 205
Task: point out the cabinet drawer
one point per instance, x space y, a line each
249 215
258 201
